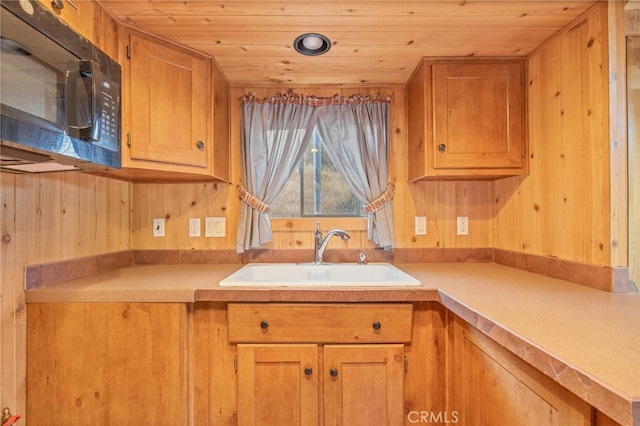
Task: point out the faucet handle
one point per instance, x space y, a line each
362 260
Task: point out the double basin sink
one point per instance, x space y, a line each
319 275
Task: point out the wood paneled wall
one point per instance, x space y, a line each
633 98
571 204
563 209
46 218
440 202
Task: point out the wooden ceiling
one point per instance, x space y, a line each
374 42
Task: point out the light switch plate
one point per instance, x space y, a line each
421 225
215 227
158 227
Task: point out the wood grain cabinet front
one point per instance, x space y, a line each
175 113
489 386
467 119
78 14
107 364
336 363
303 380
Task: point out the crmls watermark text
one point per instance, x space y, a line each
432 417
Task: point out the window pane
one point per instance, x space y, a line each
320 186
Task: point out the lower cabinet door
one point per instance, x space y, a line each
363 384
277 384
491 386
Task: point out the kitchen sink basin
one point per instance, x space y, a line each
319 275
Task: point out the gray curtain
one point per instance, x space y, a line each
355 135
276 132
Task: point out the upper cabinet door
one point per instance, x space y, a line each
467 119
170 92
478 115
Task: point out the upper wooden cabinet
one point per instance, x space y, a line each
169 115
466 119
175 113
79 15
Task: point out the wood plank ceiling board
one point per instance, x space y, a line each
373 42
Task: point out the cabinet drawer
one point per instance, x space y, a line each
320 323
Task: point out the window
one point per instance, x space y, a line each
316 189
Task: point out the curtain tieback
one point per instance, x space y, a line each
382 200
251 200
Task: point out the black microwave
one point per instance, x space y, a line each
60 95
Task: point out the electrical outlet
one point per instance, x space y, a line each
463 225
194 227
214 227
421 225
158 227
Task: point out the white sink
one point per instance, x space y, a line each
325 275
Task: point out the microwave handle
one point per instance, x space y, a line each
82 100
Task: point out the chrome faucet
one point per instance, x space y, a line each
321 243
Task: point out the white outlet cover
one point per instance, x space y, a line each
421 225
463 225
215 227
194 227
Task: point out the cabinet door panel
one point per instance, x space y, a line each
106 364
169 104
478 110
366 387
489 385
273 388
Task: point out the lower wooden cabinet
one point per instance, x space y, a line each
106 364
363 384
278 384
217 363
491 386
304 379
246 371
303 384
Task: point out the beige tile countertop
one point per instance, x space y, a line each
587 340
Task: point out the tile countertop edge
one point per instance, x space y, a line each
623 409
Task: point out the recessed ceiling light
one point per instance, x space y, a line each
311 44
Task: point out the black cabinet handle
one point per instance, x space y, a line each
264 324
308 371
333 372
376 325
442 147
200 145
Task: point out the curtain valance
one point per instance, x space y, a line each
292 98
277 130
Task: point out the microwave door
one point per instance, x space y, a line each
33 72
